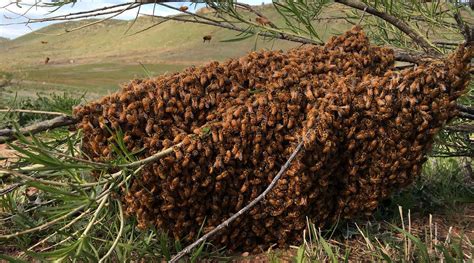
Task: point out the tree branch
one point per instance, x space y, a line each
401 25
243 210
466 115
283 36
9 134
465 109
460 128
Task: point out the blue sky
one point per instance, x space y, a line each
12 22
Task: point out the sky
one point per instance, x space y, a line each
13 16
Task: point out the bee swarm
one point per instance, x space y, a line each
370 127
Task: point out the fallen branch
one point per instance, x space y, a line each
9 134
226 223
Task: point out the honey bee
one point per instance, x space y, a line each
183 8
218 187
218 162
222 176
174 183
262 20
186 160
179 155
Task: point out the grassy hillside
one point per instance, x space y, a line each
107 42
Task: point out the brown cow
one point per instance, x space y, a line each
44 42
46 60
207 38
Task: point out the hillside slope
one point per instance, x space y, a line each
177 42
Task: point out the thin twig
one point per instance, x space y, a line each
34 111
49 182
94 217
72 222
62 17
241 211
43 226
114 244
151 158
10 188
132 6
264 34
398 23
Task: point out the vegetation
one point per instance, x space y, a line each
73 202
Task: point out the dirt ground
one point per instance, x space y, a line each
7 155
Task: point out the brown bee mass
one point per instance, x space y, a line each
369 128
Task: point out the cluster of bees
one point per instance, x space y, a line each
366 129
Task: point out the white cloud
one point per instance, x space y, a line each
37 9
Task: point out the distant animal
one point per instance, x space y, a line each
46 60
44 42
207 38
262 20
183 8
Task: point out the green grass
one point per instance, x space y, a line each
90 80
106 77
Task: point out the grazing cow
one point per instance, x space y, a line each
207 38
46 61
44 42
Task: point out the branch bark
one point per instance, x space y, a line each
461 128
401 25
466 115
9 134
243 210
465 109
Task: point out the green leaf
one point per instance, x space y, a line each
164 246
247 36
300 254
418 243
11 259
327 249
